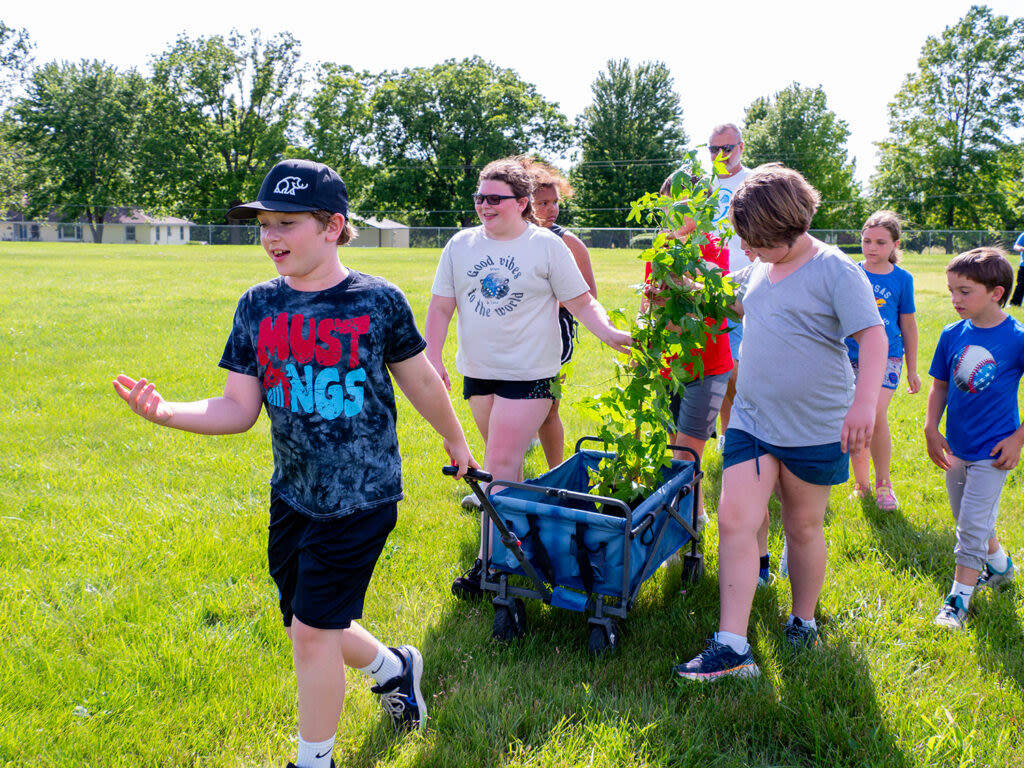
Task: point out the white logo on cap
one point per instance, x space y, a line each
289 185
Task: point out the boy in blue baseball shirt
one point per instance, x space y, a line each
317 347
983 355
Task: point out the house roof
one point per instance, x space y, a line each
114 216
370 221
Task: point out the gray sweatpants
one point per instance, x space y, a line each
974 488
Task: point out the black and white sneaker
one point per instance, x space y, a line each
400 696
467 586
799 636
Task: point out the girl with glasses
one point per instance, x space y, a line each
505 279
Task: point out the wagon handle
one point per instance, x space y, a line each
473 474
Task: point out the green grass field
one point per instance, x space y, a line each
138 625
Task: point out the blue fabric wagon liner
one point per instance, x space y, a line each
581 551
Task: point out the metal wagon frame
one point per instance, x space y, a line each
609 605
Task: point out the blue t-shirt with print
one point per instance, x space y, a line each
894 295
322 359
982 410
1020 242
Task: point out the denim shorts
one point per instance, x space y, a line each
815 464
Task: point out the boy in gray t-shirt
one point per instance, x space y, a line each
797 414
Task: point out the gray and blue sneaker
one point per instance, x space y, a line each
994 579
799 636
718 660
953 614
400 696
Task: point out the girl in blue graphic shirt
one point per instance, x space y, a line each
894 294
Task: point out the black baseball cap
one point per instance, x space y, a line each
297 185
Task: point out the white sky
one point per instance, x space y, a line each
722 56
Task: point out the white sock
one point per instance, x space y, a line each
314 754
963 591
738 643
810 623
997 561
385 665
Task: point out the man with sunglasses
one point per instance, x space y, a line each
726 144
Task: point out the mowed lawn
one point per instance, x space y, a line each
139 627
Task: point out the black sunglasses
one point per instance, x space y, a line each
491 199
725 149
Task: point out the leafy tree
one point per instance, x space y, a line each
336 121
79 125
434 129
796 128
943 162
221 111
15 60
631 136
15 65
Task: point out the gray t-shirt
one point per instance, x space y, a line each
796 384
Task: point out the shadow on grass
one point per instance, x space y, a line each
543 700
998 634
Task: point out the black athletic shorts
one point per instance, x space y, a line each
510 390
567 326
323 568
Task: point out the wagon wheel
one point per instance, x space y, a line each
603 640
509 624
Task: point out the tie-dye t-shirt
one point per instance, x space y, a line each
321 357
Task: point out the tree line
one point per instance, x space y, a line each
197 134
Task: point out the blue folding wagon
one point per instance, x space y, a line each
580 551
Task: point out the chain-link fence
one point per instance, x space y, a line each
225 234
915 240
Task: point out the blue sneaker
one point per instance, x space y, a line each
799 635
990 578
718 660
953 614
400 696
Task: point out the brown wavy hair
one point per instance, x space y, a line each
519 180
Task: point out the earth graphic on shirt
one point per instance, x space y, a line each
494 286
974 369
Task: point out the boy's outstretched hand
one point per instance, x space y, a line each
143 398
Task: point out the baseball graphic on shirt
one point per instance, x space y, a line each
974 369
